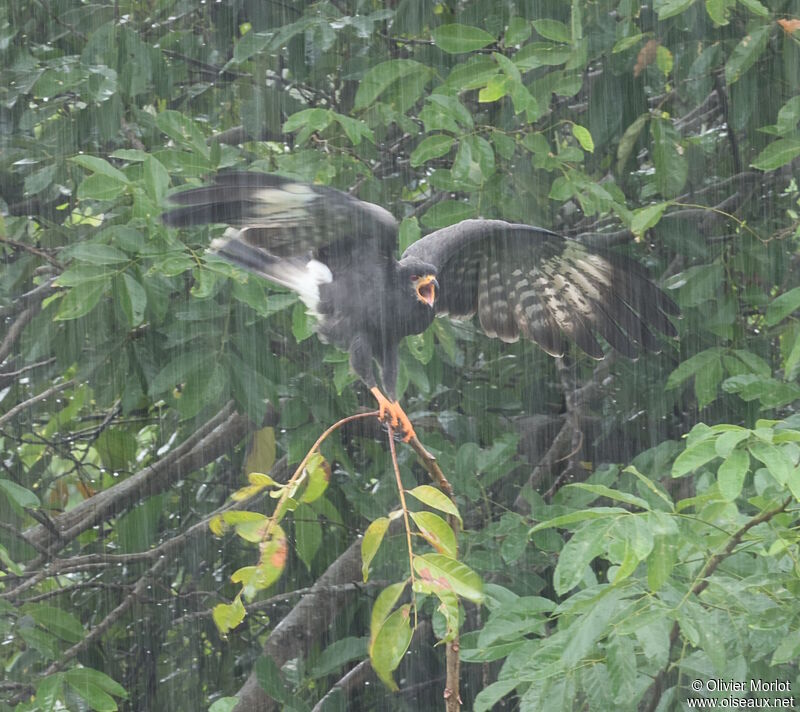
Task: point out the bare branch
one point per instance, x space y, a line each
202 447
44 395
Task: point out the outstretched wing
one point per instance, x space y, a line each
285 217
530 281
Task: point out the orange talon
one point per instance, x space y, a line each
397 418
383 402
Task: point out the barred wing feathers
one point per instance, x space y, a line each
530 281
285 217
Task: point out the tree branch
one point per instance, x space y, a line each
198 450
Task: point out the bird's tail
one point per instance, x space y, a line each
303 275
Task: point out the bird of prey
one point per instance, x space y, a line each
338 254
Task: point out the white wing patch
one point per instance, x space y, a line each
285 203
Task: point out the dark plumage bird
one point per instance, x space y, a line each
338 254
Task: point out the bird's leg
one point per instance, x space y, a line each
392 413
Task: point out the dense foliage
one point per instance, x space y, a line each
142 380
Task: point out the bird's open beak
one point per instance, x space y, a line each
426 289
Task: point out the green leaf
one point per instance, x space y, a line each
178 370
308 534
39 180
645 218
583 136
706 382
184 130
390 643
746 53
580 516
757 9
80 300
774 458
318 479
455 39
541 54
626 43
788 649
448 609
224 704
691 366
356 129
719 10
777 154
99 187
589 628
49 691
731 474
409 233
60 623
383 606
621 663
437 532
660 562
338 654
94 695
727 441
228 616
671 8
156 179
378 79
134 300
518 30
436 499
788 116
491 695
79 273
450 574
431 147
98 254
310 119
664 60
448 212
496 88
694 457
270 679
100 679
248 45
19 495
553 30
603 491
372 542
782 306
101 167
671 166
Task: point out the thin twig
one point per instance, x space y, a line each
44 395
404 506
429 462
349 684
289 487
15 331
34 251
95 633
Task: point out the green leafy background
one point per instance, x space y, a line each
141 379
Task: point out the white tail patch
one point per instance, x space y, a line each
316 273
303 276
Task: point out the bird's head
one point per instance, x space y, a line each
420 279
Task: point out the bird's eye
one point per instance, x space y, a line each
414 277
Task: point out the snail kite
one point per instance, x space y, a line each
338 254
